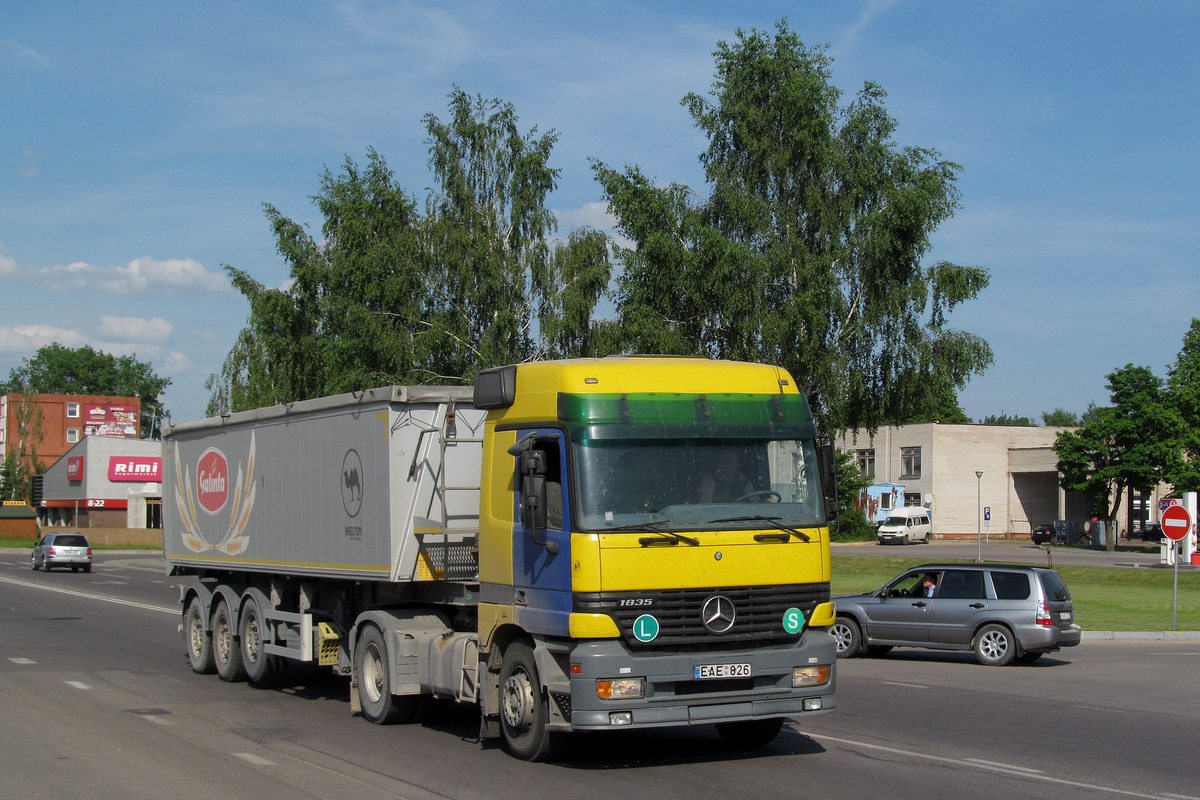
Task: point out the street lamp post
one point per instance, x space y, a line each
979 515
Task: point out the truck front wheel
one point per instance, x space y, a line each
524 708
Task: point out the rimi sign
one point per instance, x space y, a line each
143 469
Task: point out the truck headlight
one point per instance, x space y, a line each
621 689
810 676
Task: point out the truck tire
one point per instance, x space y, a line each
750 734
196 639
227 654
378 703
260 667
524 708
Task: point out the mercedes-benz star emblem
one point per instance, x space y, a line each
718 614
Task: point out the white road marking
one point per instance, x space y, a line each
22 660
906 685
1021 772
90 596
1001 764
258 761
78 684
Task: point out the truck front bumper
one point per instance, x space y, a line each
673 694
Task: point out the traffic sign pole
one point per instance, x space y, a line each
1176 523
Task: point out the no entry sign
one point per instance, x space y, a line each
1176 522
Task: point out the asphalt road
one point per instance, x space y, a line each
97 700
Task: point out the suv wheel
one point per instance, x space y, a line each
994 645
846 633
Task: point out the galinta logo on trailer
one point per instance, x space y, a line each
212 493
212 480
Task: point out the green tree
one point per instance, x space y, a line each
351 317
1060 418
504 291
1183 385
1005 419
57 369
807 250
393 295
1132 444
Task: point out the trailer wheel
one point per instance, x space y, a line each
524 708
750 734
378 703
260 667
199 650
226 652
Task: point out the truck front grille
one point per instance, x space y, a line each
678 612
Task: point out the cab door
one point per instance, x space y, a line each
541 532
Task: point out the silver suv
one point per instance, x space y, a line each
1003 612
62 550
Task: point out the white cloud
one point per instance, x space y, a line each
24 55
174 363
167 277
136 329
28 338
143 276
8 265
591 215
869 14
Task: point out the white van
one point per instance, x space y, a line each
906 524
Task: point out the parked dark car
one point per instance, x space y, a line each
1151 533
1003 612
62 550
1062 532
1043 534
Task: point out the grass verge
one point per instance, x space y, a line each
27 544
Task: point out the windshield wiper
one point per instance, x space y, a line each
648 527
774 521
672 538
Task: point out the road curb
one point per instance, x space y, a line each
1138 635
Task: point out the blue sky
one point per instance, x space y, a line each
140 139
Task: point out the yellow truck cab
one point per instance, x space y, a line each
656 529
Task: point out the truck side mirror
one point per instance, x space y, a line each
534 495
533 489
827 459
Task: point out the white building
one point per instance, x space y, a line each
937 464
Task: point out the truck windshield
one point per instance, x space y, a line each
696 484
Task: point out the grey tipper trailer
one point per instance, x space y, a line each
304 525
